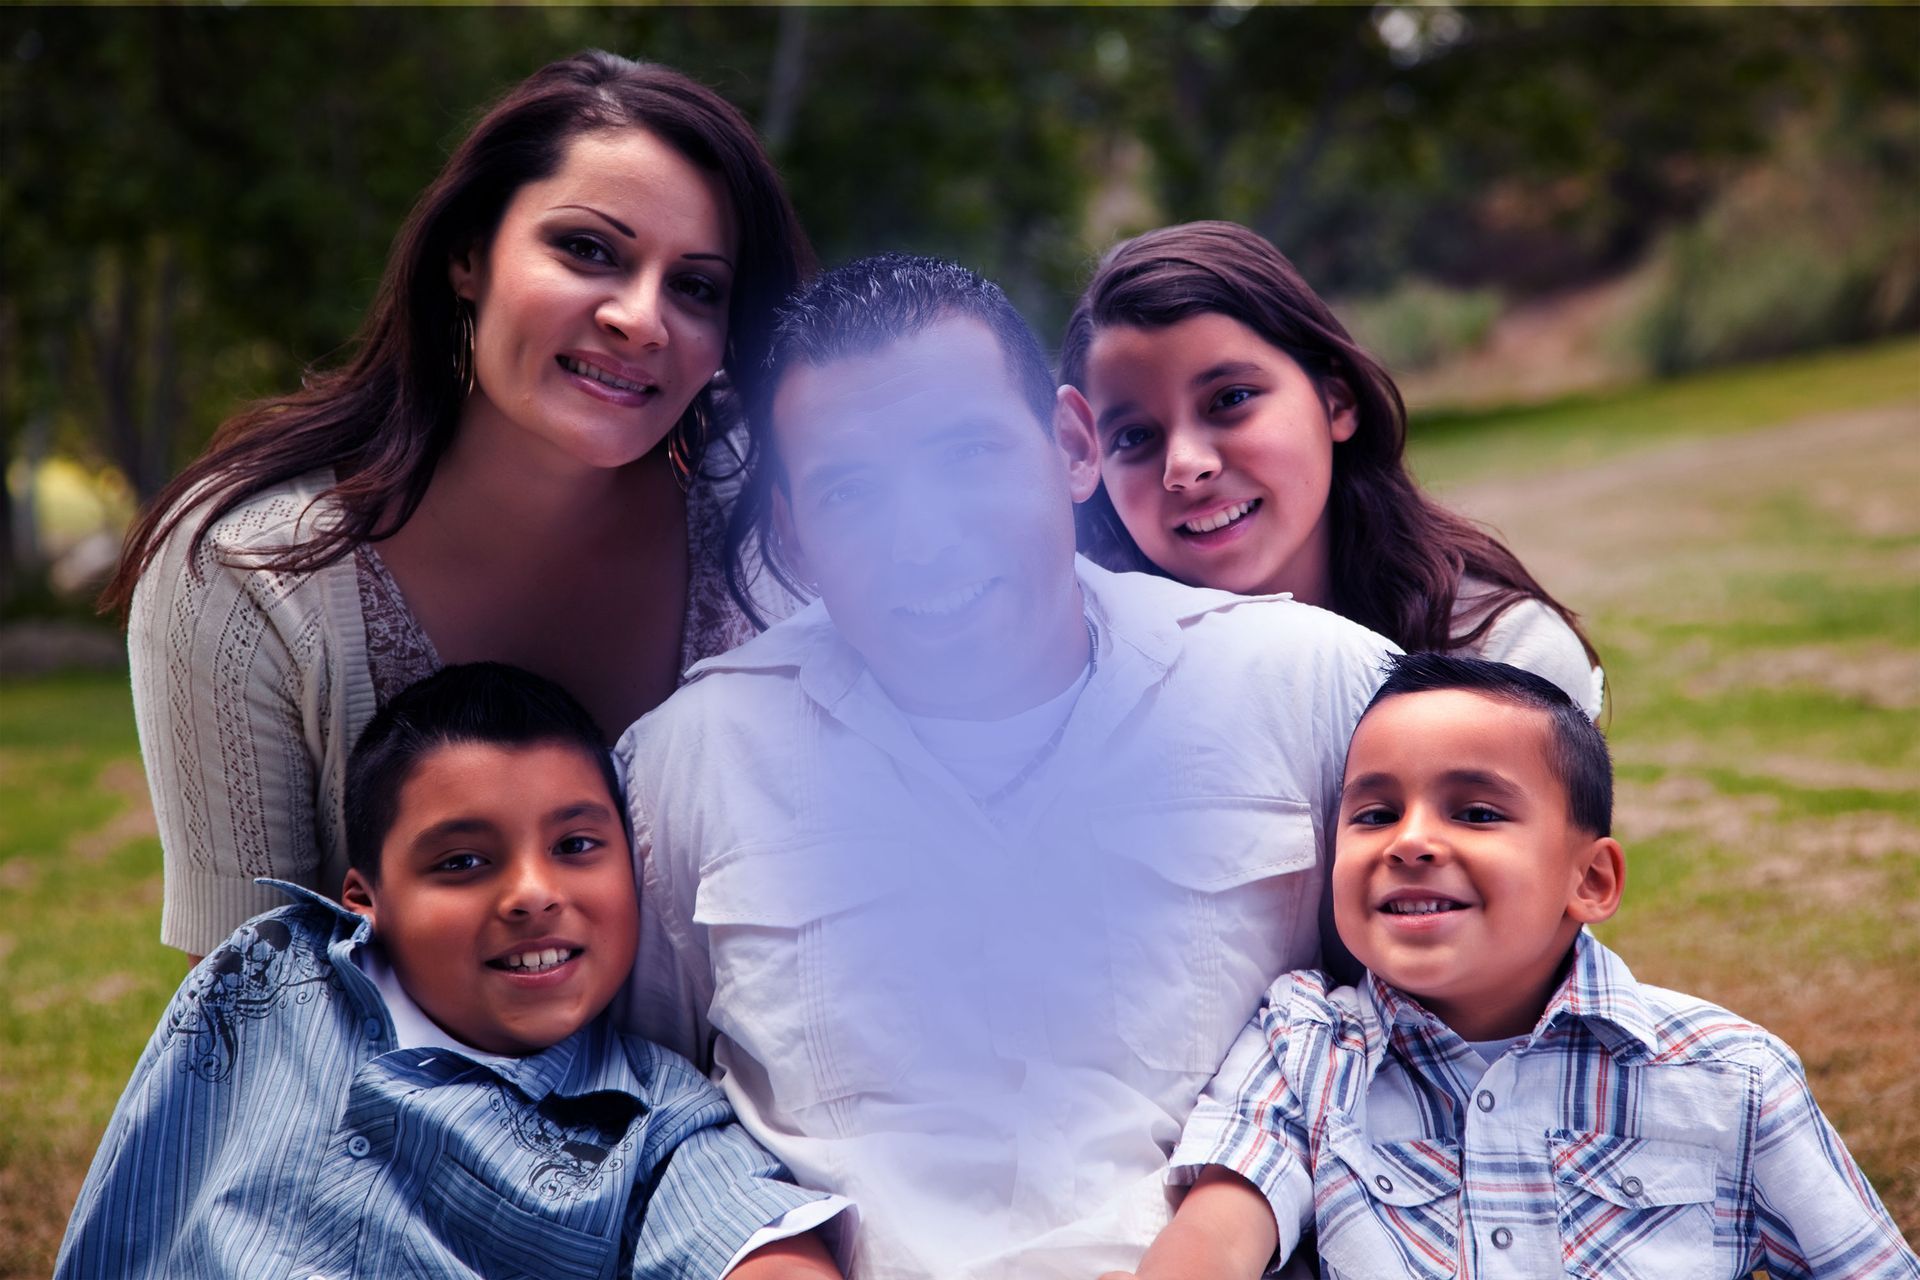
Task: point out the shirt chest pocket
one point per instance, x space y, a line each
1386 1209
476 1229
813 962
1633 1208
1206 900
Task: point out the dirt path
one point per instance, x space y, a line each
1598 534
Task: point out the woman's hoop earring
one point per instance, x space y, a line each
687 444
463 337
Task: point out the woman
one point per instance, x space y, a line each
524 461
1248 443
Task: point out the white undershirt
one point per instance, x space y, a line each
1491 1051
985 755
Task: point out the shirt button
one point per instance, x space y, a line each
1383 1182
1630 1185
1485 1100
358 1145
373 1028
1502 1237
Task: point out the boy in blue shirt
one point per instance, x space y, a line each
1499 1097
426 1083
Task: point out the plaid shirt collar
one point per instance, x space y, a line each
1599 990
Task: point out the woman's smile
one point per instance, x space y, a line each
600 306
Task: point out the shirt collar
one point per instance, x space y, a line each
593 1059
350 928
1599 990
1602 991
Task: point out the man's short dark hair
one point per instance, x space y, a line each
859 308
1576 752
480 702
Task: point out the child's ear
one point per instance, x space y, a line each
1603 875
1343 410
356 895
1074 436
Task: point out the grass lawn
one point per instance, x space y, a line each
1745 547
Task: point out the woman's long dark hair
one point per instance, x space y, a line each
383 419
1397 556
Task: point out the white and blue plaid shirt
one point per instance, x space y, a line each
273 1129
1636 1132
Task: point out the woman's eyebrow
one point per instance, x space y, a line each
607 218
628 232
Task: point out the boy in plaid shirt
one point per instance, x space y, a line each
1499 1097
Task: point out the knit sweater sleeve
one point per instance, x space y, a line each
248 684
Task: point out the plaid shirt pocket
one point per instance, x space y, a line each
1389 1208
1633 1208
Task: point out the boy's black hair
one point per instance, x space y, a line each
1576 750
872 302
483 702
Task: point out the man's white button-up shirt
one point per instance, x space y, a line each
987 1024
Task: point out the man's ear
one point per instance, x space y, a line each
1343 410
356 895
783 533
1074 436
1603 876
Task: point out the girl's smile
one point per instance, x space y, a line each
1217 451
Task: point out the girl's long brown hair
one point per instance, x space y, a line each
383 419
1397 556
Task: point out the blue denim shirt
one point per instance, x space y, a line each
272 1128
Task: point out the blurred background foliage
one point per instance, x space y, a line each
195 203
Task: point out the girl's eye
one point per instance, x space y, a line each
1480 814
576 845
1128 438
1232 398
587 248
1373 816
457 862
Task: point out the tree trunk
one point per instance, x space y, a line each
783 86
155 462
9 568
110 338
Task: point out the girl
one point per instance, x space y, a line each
525 460
1248 443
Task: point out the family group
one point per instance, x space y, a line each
675 763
